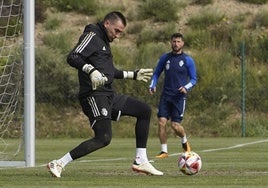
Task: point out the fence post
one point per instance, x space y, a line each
243 122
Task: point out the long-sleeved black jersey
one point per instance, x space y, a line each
93 48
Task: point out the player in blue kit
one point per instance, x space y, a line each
180 77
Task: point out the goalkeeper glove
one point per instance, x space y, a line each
140 74
143 74
97 78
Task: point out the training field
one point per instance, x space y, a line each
227 162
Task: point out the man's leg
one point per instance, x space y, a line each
162 134
101 125
180 131
142 112
178 110
103 135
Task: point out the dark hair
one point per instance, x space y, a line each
115 15
176 35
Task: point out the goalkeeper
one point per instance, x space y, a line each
93 59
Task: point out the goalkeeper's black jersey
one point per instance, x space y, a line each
93 48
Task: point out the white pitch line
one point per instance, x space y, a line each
102 160
227 148
235 146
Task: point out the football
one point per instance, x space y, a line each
189 163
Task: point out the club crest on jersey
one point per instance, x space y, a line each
104 112
181 63
168 65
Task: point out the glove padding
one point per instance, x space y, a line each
143 74
97 78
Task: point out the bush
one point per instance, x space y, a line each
261 19
40 9
10 26
198 38
254 1
135 28
160 10
256 126
205 18
53 121
53 21
3 63
59 41
224 35
256 87
257 46
129 59
202 2
150 52
212 122
260 50
56 82
81 6
154 33
218 78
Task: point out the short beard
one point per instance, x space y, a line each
176 51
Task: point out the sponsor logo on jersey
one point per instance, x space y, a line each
104 112
168 65
181 63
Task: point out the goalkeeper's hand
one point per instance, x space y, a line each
143 74
97 78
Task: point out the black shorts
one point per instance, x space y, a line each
97 107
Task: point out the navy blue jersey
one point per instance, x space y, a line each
179 71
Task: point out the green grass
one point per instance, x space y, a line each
227 162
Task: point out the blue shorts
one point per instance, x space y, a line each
172 107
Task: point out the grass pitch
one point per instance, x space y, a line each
227 162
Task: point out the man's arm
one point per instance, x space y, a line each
86 46
96 77
140 74
75 60
158 70
192 74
